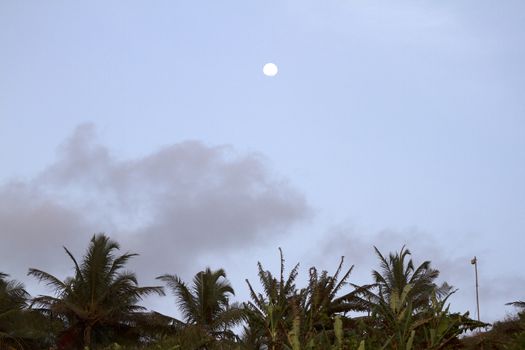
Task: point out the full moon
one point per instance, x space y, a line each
270 69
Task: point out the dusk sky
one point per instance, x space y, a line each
389 123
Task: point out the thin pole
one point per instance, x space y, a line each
475 263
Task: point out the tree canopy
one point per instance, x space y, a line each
98 307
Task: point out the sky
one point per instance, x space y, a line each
389 123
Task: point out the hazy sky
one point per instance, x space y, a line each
390 122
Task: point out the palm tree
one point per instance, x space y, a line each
397 274
205 305
405 299
100 299
20 326
13 300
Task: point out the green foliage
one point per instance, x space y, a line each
508 334
441 328
408 310
271 315
326 340
13 298
96 308
20 327
284 317
207 311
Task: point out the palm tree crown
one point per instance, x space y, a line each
205 305
13 300
398 275
100 296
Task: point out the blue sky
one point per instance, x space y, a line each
388 123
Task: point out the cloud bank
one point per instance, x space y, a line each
172 206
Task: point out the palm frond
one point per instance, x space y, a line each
50 280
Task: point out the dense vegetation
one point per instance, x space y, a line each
97 308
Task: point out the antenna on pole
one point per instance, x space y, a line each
475 263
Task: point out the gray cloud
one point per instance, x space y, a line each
33 227
171 206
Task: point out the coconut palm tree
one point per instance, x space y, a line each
20 326
100 300
405 300
205 306
13 301
397 273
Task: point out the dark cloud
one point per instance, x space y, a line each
171 206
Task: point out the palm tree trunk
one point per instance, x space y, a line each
87 337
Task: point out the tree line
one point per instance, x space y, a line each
98 308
